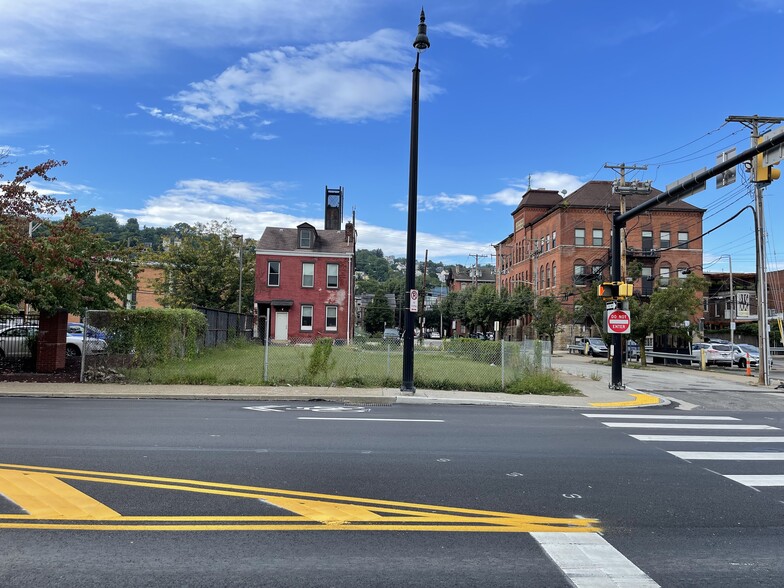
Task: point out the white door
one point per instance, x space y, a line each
281 326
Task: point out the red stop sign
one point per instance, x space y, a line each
619 321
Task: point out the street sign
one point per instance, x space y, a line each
611 305
698 188
773 156
413 297
729 176
619 321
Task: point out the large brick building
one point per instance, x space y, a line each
304 277
560 246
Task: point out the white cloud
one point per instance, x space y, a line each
263 136
248 208
439 202
552 180
464 32
56 38
507 196
347 81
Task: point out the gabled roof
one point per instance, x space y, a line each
599 193
282 239
466 274
539 199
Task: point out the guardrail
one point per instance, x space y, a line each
680 357
578 348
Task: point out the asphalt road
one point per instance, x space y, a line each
659 518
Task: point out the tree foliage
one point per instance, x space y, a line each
201 267
64 266
548 316
378 314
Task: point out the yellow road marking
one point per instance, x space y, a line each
43 496
77 511
639 400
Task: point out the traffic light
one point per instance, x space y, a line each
762 172
616 290
608 290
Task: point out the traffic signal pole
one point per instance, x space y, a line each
680 190
617 356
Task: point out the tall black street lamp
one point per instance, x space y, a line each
420 44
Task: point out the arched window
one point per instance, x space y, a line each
664 276
547 278
541 277
554 284
580 274
683 270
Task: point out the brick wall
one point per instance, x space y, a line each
50 353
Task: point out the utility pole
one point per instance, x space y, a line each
680 189
622 188
753 122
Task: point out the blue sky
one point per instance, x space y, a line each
195 110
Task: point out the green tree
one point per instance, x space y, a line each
201 267
548 316
64 266
378 314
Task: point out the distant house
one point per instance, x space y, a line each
304 278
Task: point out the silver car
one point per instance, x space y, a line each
15 340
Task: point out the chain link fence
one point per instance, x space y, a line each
459 364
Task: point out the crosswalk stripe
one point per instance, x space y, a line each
729 455
757 480
700 426
664 417
709 438
589 561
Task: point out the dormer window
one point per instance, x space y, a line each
305 238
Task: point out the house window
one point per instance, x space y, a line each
647 240
541 277
647 281
553 239
683 238
306 317
308 270
579 273
664 276
598 238
332 275
547 242
548 277
579 237
305 238
664 239
596 269
332 318
683 271
554 272
273 273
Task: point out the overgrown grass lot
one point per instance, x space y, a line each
473 366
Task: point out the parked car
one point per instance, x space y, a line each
739 352
715 353
78 329
392 335
15 340
597 347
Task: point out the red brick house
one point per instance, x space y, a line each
560 246
304 278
